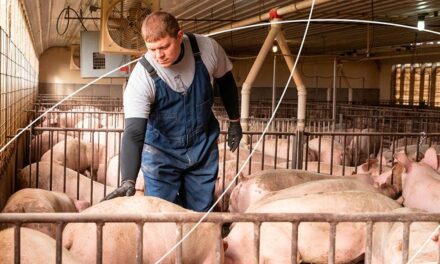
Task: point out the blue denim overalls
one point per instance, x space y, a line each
180 155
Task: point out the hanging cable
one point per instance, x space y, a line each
67 10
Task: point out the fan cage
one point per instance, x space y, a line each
125 21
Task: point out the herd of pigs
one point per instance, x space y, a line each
73 170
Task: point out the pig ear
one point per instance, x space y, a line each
370 162
404 160
431 158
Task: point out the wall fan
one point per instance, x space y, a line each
75 59
121 22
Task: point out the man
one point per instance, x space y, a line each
169 123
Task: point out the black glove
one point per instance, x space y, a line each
126 189
234 135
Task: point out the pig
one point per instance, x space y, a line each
67 152
405 141
108 144
41 143
35 248
28 178
249 192
420 182
224 178
113 177
390 180
119 239
387 241
370 167
32 200
49 119
313 238
71 117
340 155
75 154
90 122
364 147
243 153
283 149
263 182
410 150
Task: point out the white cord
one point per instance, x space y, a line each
424 245
267 126
62 101
253 150
221 32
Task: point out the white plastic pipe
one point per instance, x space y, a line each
247 85
301 88
264 17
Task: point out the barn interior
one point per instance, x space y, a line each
335 90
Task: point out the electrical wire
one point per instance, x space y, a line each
62 101
279 102
67 9
58 20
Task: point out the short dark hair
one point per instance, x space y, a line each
158 25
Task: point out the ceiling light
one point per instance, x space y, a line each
421 22
274 48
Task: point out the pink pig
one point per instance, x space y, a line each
421 182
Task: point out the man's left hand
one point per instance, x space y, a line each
234 135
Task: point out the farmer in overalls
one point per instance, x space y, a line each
170 128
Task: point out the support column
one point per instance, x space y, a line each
247 85
302 97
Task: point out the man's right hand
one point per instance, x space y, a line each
126 189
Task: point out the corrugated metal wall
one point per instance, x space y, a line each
18 84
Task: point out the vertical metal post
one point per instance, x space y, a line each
274 88
334 94
298 150
139 244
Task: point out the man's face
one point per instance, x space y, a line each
166 50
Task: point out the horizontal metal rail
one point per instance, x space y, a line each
219 218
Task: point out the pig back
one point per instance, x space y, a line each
119 239
275 238
263 182
52 176
36 248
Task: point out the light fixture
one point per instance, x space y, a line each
421 22
274 48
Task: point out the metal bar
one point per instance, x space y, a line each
59 243
405 241
219 250
256 256
140 242
294 246
332 239
369 243
179 231
17 243
99 247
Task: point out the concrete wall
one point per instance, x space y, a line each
369 79
317 73
56 77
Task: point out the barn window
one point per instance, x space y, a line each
415 84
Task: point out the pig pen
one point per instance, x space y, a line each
276 151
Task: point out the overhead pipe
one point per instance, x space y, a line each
266 16
247 85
